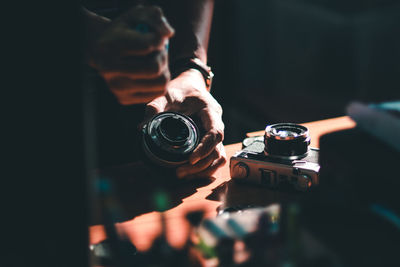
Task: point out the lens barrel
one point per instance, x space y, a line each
169 138
286 140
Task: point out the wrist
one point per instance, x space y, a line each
189 79
195 66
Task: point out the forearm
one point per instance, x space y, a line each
192 23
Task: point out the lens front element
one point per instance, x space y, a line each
169 138
286 140
174 130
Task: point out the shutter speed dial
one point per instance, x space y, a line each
240 170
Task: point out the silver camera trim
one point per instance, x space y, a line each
295 157
252 164
269 131
251 171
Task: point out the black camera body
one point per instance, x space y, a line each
281 157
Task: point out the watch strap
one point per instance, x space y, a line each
183 64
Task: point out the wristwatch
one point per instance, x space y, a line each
184 64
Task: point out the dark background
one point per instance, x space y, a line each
296 60
301 60
43 183
274 61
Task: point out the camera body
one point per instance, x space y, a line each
291 162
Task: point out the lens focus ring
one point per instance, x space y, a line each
169 138
286 140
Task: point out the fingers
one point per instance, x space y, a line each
181 98
183 95
132 41
133 60
151 16
205 167
129 89
207 144
154 107
139 31
211 118
135 80
125 85
119 40
203 164
139 67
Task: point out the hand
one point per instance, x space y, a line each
187 94
131 55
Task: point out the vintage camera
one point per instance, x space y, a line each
282 157
169 138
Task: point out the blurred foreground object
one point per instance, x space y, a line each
361 164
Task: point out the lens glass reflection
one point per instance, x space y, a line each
174 129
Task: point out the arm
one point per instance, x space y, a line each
130 52
192 22
187 92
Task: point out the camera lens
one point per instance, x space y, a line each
169 138
174 130
286 140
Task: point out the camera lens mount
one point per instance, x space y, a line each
286 141
169 138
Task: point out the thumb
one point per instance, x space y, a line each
154 107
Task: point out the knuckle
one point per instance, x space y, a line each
218 108
219 135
